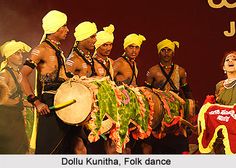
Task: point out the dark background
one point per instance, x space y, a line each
198 27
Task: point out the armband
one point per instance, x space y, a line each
187 91
69 74
185 88
31 99
30 63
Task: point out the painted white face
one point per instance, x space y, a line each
230 63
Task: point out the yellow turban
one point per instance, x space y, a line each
11 47
134 39
52 21
105 36
84 30
167 43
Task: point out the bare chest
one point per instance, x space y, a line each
49 63
160 77
100 69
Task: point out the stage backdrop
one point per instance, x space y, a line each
204 28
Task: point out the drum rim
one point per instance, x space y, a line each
83 119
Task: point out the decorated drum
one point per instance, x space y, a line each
119 111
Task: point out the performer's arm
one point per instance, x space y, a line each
187 91
149 79
30 64
116 67
184 85
70 64
25 84
76 66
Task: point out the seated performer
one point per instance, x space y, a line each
226 92
103 47
168 76
225 89
48 58
125 69
80 61
13 139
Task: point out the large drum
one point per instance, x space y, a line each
121 110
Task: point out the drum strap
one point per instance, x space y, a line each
91 64
133 70
168 78
60 60
106 68
18 87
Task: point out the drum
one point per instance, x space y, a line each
111 109
77 112
85 93
189 108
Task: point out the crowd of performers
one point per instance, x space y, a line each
90 57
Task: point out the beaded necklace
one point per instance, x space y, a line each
86 56
229 83
102 60
87 59
166 66
55 42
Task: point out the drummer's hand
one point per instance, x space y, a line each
26 103
42 108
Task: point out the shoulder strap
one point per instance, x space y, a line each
18 88
86 61
133 71
60 60
106 68
168 77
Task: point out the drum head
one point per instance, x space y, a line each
78 111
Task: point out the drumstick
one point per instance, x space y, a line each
62 104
